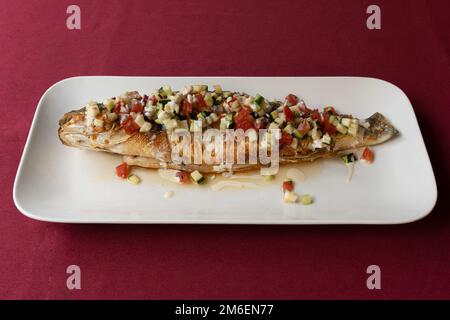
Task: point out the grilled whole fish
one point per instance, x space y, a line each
139 127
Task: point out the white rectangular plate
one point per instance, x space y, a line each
61 184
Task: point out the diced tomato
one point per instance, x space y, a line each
315 115
183 177
329 110
243 119
329 128
286 138
304 126
186 108
292 99
288 113
138 107
201 102
130 126
118 107
303 107
367 155
122 170
288 185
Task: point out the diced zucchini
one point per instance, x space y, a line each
217 100
223 124
98 122
167 90
315 134
112 116
196 126
297 134
274 114
145 127
335 122
167 108
197 177
109 104
162 93
92 110
199 88
234 105
326 138
348 158
217 89
341 129
353 129
295 110
163 115
183 124
249 100
346 122
227 94
289 129
294 143
208 99
170 124
229 121
290 197
255 107
279 120
201 116
306 199
259 99
133 179
331 119
214 117
261 112
273 126
139 120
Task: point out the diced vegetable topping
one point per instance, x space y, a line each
138 107
243 120
292 99
306 199
367 155
130 126
348 158
288 185
290 197
286 138
196 108
197 177
183 177
122 170
288 114
133 179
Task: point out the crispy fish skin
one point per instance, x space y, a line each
154 148
73 133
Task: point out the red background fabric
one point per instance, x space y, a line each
248 38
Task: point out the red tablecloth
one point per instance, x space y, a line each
224 38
